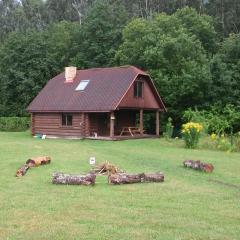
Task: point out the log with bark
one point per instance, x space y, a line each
71 179
154 177
198 165
37 161
22 170
124 178
33 162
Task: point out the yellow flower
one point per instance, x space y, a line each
213 136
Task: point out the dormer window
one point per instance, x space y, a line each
138 89
82 85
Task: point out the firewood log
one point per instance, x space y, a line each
123 178
198 165
69 179
37 161
154 177
208 168
22 170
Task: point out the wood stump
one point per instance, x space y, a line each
70 179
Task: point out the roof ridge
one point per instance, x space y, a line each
104 68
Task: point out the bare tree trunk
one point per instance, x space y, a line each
62 178
222 15
79 6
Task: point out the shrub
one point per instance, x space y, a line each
217 119
14 123
169 129
237 141
191 133
224 142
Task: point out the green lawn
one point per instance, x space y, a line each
188 205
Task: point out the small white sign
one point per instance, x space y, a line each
92 160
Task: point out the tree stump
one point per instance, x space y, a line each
70 179
22 170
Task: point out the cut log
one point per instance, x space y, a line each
69 179
154 177
37 161
198 165
22 170
123 178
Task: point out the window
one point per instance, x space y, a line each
82 85
138 89
66 120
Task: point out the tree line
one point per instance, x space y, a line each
191 48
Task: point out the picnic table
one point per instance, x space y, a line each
130 130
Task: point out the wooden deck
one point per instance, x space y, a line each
119 138
106 138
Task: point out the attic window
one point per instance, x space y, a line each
138 89
82 85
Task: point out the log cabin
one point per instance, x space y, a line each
98 103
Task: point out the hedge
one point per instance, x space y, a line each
14 123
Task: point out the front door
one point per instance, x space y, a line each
103 124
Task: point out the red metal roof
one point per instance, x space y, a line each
106 88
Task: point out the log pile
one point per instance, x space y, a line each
33 162
106 168
69 179
198 165
124 178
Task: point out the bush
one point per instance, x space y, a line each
169 129
14 123
191 133
217 119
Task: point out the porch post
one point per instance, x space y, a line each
141 121
112 119
157 123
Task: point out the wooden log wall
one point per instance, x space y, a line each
51 124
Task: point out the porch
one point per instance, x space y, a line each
122 124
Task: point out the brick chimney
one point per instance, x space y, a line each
70 74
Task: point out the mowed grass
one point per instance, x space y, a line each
188 205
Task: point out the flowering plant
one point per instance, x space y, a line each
191 133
